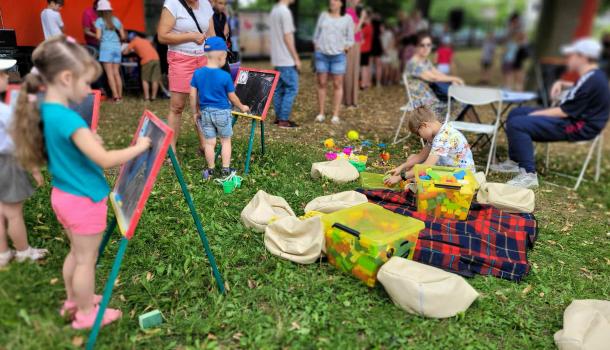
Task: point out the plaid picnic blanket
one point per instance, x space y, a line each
489 242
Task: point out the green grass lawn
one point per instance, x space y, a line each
272 303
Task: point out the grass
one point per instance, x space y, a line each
273 303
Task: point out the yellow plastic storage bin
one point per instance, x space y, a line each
362 238
444 192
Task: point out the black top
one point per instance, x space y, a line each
220 21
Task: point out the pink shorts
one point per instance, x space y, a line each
181 69
79 215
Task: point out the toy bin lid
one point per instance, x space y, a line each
446 177
375 181
374 223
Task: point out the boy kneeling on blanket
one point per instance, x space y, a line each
445 146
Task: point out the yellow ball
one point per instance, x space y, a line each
329 143
353 135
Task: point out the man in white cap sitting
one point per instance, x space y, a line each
581 115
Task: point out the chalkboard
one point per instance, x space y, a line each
255 89
88 109
137 177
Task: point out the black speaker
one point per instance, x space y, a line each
456 19
8 38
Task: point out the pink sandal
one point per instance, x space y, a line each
84 321
69 306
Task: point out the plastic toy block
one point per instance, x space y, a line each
460 175
150 319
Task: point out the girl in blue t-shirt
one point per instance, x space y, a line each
110 33
51 133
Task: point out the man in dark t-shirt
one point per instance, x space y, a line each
581 115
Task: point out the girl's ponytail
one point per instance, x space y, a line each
27 126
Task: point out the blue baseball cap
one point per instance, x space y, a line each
215 43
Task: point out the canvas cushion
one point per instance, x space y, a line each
425 290
262 209
586 326
300 241
338 170
334 202
508 198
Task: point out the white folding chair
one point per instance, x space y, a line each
477 96
408 107
596 146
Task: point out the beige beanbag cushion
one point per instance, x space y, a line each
425 290
586 326
338 170
509 198
296 240
334 202
262 209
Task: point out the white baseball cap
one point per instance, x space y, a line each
7 64
587 47
104 5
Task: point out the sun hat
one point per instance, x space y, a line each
7 64
104 5
587 47
215 43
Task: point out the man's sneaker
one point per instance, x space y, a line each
207 174
524 180
227 171
287 124
507 166
335 120
320 118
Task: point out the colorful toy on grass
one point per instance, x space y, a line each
230 183
366 143
385 156
331 156
347 151
353 135
444 192
150 319
329 143
362 238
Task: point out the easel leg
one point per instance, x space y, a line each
250 145
107 235
191 205
114 273
262 137
218 148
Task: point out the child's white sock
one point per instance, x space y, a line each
6 257
30 253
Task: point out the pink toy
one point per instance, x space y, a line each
347 151
331 155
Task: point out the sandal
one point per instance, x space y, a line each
69 306
85 321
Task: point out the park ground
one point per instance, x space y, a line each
272 303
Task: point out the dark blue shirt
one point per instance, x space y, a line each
213 86
587 105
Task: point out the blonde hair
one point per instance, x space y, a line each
419 116
50 58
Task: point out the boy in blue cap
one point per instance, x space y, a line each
211 90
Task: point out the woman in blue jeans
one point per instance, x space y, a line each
333 36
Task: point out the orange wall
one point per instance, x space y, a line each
24 17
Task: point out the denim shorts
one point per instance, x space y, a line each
216 122
110 54
333 64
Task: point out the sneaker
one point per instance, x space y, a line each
287 124
69 306
507 166
207 174
335 120
525 180
227 171
33 254
83 321
320 118
6 257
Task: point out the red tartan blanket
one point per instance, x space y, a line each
489 242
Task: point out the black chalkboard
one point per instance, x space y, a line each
137 177
255 89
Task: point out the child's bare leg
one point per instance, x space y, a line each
146 88
209 146
68 269
13 213
83 281
337 93
155 89
226 152
3 238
